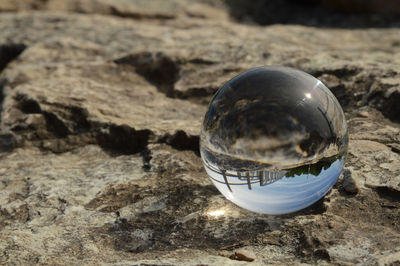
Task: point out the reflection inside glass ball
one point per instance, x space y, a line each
274 140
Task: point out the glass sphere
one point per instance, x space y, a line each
274 140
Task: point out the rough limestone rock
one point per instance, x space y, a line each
101 107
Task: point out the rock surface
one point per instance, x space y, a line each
101 106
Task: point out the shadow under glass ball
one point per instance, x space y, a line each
274 140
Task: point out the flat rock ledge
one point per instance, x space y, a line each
101 108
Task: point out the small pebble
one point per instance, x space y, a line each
244 255
349 183
364 114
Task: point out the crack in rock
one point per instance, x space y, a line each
181 141
2 96
387 102
137 15
27 105
158 68
123 139
386 192
9 52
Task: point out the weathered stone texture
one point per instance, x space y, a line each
100 121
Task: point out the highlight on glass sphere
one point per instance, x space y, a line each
274 140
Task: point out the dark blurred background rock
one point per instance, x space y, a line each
319 13
101 107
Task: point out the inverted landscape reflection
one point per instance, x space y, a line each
276 192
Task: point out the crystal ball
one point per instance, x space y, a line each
274 140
